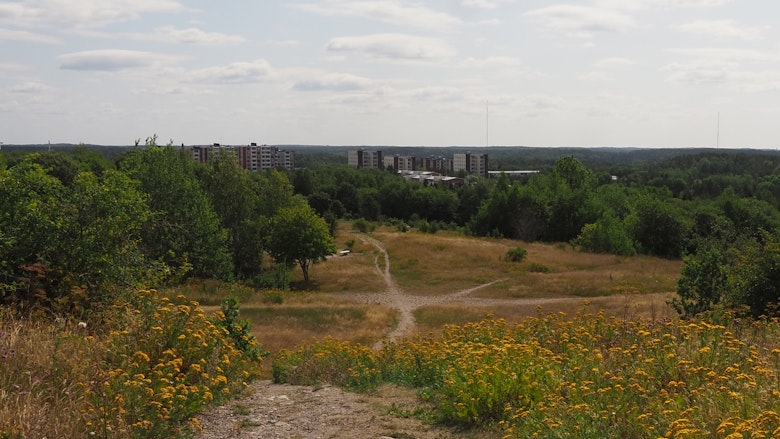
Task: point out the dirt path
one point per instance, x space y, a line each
276 411
406 304
280 411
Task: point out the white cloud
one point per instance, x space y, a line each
687 3
581 21
636 5
12 67
194 36
29 87
283 43
437 93
393 12
82 13
170 34
489 22
595 76
492 61
393 46
109 60
236 73
7 35
727 55
613 62
333 82
734 68
724 30
479 4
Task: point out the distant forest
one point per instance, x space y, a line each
86 216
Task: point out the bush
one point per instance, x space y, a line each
238 330
273 296
363 226
166 362
607 235
538 268
589 376
516 254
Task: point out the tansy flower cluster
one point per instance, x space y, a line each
167 363
587 376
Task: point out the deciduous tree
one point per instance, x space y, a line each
299 236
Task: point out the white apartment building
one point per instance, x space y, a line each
472 163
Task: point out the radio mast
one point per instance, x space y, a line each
487 123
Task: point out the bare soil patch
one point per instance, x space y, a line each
301 412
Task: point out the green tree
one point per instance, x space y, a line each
569 191
236 200
184 229
299 236
659 226
607 235
56 240
30 222
755 275
703 281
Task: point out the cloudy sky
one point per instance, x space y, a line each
648 73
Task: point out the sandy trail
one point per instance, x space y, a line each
406 303
271 410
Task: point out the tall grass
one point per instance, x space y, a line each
43 368
589 376
428 264
145 370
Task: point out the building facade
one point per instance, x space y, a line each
437 164
401 162
252 157
363 158
471 163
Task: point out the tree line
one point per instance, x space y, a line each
75 229
79 225
719 212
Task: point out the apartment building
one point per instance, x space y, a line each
471 163
401 162
253 157
437 163
364 158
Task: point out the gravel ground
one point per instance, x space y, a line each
276 411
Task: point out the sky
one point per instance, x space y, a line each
590 73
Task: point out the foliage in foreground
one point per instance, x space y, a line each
743 275
591 376
156 365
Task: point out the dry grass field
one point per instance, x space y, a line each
439 264
552 278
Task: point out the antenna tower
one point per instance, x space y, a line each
487 123
717 133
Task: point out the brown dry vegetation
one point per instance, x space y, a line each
428 264
46 366
439 264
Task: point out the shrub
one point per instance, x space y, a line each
588 376
329 361
238 330
166 362
536 267
273 296
607 235
363 226
516 254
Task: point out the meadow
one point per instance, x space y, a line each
147 370
583 376
156 359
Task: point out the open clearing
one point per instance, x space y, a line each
398 284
